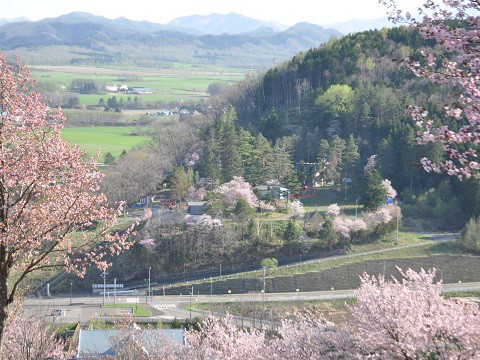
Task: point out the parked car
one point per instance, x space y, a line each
56 312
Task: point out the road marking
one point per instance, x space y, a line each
163 306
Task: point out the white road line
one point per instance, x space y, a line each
163 306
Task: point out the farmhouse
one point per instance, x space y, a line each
111 87
270 191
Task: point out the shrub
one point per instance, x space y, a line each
470 238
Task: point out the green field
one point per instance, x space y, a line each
113 139
181 84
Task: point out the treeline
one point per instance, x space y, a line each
230 151
354 90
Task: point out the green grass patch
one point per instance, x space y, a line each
113 139
328 195
388 241
138 310
467 293
62 329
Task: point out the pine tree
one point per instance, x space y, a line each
259 169
282 164
230 156
373 193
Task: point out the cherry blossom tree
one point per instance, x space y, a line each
223 339
236 189
346 227
409 319
309 336
30 338
383 216
196 193
265 206
333 210
371 163
391 192
455 26
296 207
148 243
46 192
273 182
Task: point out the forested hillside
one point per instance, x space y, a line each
353 91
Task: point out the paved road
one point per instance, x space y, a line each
168 307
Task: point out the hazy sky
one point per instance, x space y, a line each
162 11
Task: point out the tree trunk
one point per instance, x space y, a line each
3 308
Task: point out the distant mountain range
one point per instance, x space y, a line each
228 40
8 21
217 24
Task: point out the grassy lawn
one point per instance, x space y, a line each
388 241
113 139
326 196
138 310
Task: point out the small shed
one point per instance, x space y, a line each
195 208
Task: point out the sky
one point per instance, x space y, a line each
321 12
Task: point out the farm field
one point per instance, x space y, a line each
166 84
113 139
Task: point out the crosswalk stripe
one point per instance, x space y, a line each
163 306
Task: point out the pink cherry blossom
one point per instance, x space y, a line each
333 210
456 62
236 189
47 192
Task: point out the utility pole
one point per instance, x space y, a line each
396 235
211 288
115 290
104 285
191 294
356 208
71 289
264 286
149 294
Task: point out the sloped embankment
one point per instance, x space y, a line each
455 268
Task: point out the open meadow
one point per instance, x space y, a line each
109 139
